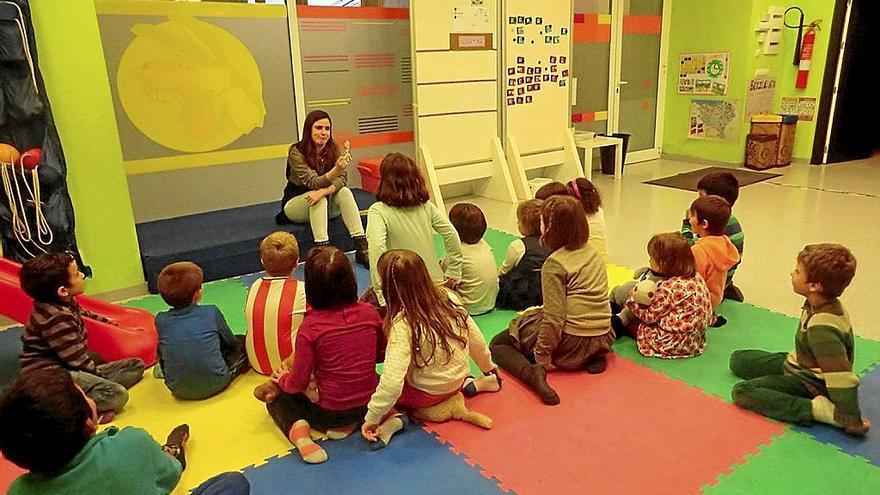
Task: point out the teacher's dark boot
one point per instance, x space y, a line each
362 250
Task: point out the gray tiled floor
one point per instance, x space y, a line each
808 204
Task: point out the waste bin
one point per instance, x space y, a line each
607 153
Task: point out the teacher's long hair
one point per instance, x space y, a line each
434 319
327 158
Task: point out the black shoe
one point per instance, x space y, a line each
720 321
362 250
597 363
618 327
733 293
535 377
281 219
615 308
175 443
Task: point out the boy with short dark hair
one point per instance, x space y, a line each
48 426
198 354
726 185
713 251
55 335
479 277
815 382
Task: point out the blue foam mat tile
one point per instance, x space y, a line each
361 273
867 447
414 462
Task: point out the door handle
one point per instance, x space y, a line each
622 83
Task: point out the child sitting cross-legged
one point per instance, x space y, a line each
337 344
276 304
430 336
48 426
198 354
815 382
55 335
519 277
669 312
573 329
478 286
713 251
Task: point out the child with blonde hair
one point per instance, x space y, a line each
276 304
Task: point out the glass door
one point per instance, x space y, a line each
639 45
619 63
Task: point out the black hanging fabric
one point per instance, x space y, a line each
26 122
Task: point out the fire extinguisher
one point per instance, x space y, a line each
806 55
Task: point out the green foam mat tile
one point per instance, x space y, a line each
228 295
796 463
748 327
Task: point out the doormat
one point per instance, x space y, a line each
688 181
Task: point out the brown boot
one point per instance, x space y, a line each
362 250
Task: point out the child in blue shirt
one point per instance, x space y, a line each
198 354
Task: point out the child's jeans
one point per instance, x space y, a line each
109 390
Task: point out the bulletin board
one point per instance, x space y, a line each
536 72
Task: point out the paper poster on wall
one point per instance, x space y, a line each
803 107
760 96
806 108
704 73
473 19
714 119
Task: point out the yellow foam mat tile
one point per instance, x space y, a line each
229 431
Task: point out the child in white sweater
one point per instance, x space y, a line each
478 287
430 337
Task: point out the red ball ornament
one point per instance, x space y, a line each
31 158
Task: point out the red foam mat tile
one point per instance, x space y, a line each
628 430
8 473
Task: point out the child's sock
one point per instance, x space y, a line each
387 429
340 433
485 383
823 410
300 436
106 417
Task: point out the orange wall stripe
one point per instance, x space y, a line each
642 24
590 31
378 139
305 11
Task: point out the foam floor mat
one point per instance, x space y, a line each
796 463
414 462
228 295
628 430
869 446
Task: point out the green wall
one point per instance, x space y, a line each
717 25
72 63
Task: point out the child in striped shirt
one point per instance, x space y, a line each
276 304
55 336
816 381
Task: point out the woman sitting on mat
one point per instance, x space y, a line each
336 344
573 328
315 190
430 336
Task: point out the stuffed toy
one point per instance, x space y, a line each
452 408
643 292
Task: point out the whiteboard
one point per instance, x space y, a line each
536 72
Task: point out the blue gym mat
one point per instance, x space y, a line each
10 344
869 446
225 243
360 272
414 462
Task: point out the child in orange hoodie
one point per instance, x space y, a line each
713 252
